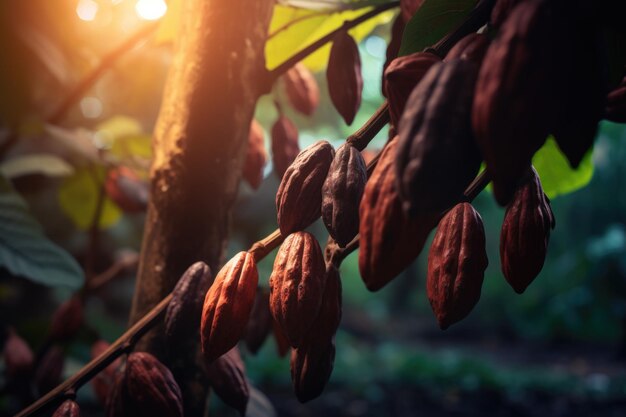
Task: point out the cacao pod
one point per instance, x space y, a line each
456 265
227 306
282 344
67 320
437 156
68 408
311 366
227 376
255 156
102 383
501 10
260 323
345 82
393 48
327 321
516 94
299 196
342 192
127 190
401 77
472 47
150 388
285 146
302 89
525 234
182 317
388 241
18 357
409 7
117 404
50 369
296 285
616 104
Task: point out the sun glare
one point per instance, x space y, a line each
150 9
87 10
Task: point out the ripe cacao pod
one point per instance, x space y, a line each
227 306
501 10
299 196
311 367
260 323
388 240
515 100
282 344
68 408
456 265
227 377
345 82
616 104
127 190
437 156
102 384
50 369
255 156
302 89
393 48
525 233
296 285
285 146
67 320
182 317
472 47
401 77
409 7
342 192
150 388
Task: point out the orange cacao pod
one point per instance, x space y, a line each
311 367
150 388
67 320
127 190
296 285
616 104
227 306
409 7
227 377
302 89
18 357
182 317
260 323
299 196
525 233
345 82
68 408
50 369
472 47
342 192
401 77
255 156
388 241
285 146
456 265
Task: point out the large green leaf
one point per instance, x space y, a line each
433 20
25 250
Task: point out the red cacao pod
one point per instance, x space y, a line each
182 317
297 284
285 146
393 48
227 306
501 10
50 369
127 190
525 233
68 408
227 377
456 265
311 367
299 196
409 7
18 357
302 89
255 156
342 192
260 323
472 47
616 104
67 320
345 82
282 344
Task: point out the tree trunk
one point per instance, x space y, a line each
199 145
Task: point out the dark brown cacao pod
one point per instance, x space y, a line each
285 146
127 190
50 369
525 234
67 320
456 265
227 306
68 408
342 192
255 156
401 77
102 383
182 317
345 82
150 388
299 196
616 104
311 367
437 156
393 48
501 11
515 102
297 284
472 47
227 377
388 240
302 89
260 323
409 7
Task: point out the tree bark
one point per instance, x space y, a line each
199 145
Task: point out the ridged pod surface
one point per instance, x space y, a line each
472 47
342 192
68 408
299 196
227 377
525 233
296 285
456 265
302 90
437 156
285 146
227 306
345 82
256 156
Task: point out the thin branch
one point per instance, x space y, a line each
100 280
297 20
362 137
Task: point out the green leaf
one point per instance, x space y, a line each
557 177
44 164
433 20
24 249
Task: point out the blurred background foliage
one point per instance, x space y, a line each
559 347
